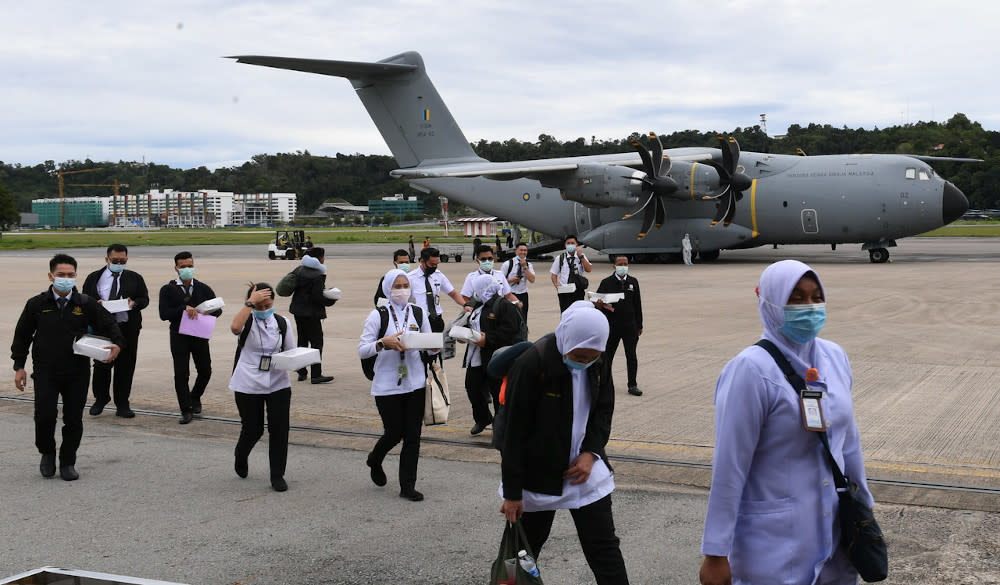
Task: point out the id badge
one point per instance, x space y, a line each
265 363
812 411
437 300
401 373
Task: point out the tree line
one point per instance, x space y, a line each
358 178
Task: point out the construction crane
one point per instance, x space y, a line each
62 184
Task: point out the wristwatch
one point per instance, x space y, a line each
248 304
379 346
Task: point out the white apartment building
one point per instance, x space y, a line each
202 208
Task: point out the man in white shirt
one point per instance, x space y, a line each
566 270
484 257
428 284
519 272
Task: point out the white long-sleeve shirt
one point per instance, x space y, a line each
264 339
387 366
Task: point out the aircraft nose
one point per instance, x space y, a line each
953 203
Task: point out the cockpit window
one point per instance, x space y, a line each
923 175
911 173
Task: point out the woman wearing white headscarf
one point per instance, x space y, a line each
773 508
398 385
560 400
499 323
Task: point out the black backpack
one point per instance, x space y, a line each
368 363
282 328
497 369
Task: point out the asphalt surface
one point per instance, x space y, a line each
159 500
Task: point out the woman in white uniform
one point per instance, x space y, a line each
398 385
773 508
560 400
257 386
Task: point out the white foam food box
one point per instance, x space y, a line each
463 333
566 288
422 340
295 358
211 305
117 306
333 293
607 298
92 346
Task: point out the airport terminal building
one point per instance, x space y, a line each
168 208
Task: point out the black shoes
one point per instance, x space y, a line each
68 473
322 379
242 466
48 465
634 391
125 412
411 494
186 417
478 428
303 375
378 474
196 406
98 407
279 485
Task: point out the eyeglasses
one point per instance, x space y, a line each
119 261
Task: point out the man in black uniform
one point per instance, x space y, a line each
309 307
49 324
625 319
178 299
114 282
400 260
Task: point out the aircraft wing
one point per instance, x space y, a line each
540 168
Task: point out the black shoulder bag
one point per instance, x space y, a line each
860 534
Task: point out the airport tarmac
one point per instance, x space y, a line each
920 332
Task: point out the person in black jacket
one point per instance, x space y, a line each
49 324
178 299
500 324
559 404
309 307
111 283
625 318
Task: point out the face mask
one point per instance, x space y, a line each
621 270
486 265
429 270
63 285
576 365
186 273
263 314
570 248
116 267
403 266
399 295
803 322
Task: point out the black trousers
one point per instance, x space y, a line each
310 334
595 526
251 407
523 297
49 386
184 348
479 389
402 420
567 299
629 339
123 368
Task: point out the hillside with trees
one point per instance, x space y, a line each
358 177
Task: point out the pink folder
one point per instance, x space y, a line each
200 327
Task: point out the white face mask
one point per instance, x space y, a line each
399 295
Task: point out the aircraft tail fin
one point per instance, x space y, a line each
401 100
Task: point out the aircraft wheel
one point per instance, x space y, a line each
270 255
708 255
289 254
878 255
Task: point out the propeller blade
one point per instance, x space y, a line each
726 210
647 222
636 212
660 212
644 155
654 141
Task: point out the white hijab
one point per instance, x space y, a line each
387 280
582 326
485 286
776 285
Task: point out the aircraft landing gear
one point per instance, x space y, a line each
708 255
878 255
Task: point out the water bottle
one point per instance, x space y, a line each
527 563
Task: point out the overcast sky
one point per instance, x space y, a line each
125 80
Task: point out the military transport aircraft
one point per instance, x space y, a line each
642 204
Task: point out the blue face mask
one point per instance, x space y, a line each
803 322
576 365
486 265
116 267
186 273
263 314
570 248
621 270
63 285
403 266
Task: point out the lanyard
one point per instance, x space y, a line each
260 336
395 322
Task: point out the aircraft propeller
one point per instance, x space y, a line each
657 183
731 182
